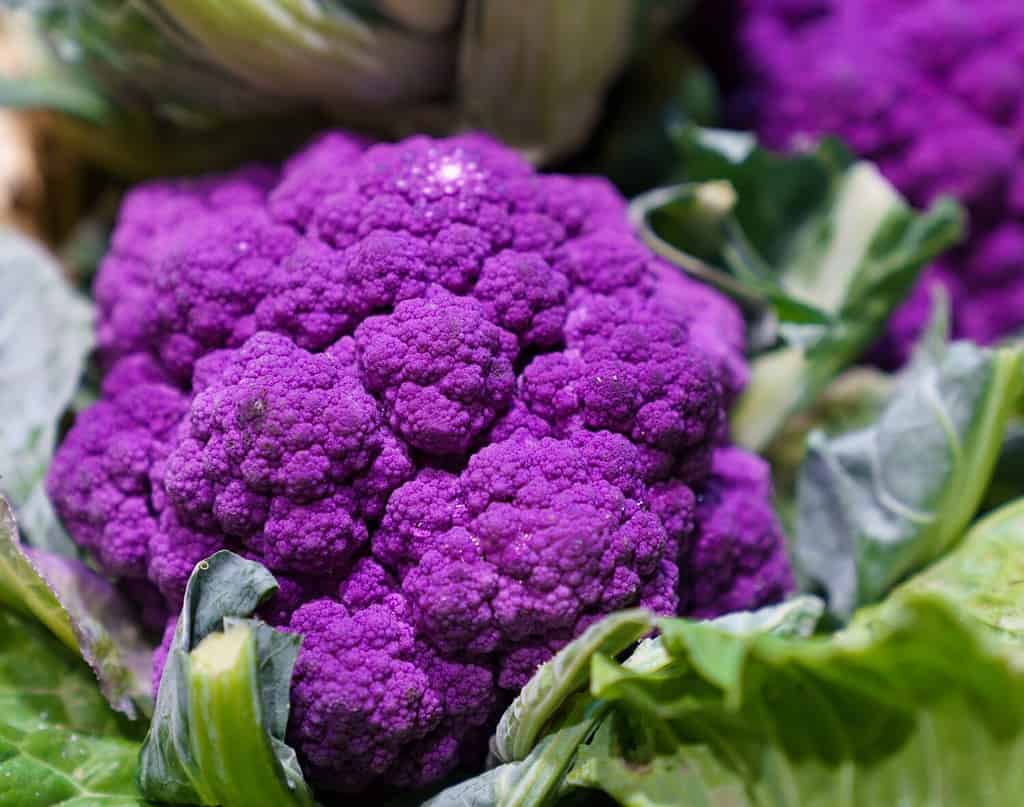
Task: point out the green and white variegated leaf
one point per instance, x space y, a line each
45 337
83 610
878 503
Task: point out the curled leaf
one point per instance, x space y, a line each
217 736
557 679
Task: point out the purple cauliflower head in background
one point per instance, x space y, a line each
929 89
455 407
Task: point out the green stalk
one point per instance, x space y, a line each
237 764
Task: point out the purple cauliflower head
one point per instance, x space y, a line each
455 406
931 91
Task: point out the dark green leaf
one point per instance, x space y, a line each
1006 479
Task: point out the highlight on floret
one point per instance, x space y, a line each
455 406
930 90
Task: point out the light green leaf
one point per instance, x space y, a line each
476 792
983 576
226 676
795 618
81 609
45 337
921 709
55 93
878 503
551 705
692 778
538 779
537 73
60 744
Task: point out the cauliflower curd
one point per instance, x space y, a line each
454 405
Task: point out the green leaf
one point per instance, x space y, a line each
921 710
478 791
878 503
557 679
536 780
692 778
81 609
795 618
824 246
982 577
60 744
224 688
551 705
217 735
45 337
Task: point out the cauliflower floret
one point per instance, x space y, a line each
100 480
370 702
737 559
457 408
281 453
530 538
442 368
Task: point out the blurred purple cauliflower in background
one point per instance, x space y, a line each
929 89
455 406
